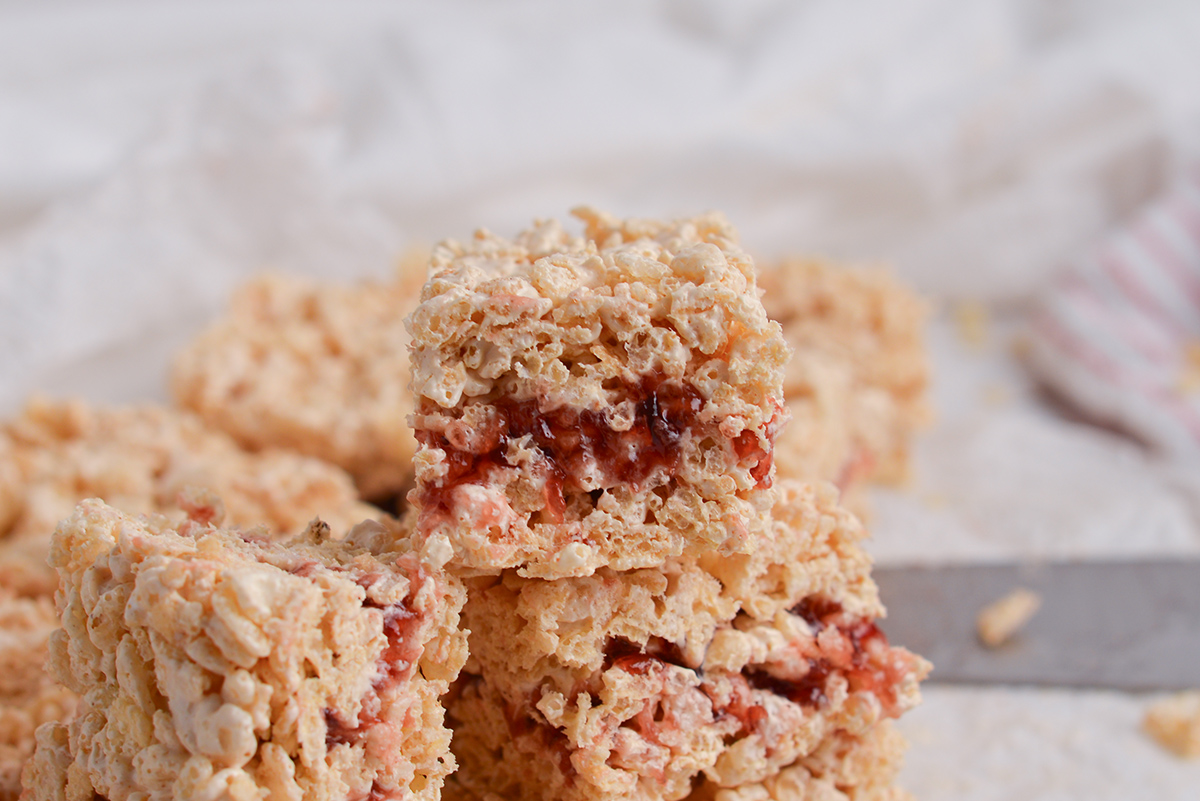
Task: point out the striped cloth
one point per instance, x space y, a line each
1117 334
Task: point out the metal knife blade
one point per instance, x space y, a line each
1121 625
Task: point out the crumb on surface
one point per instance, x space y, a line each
999 621
997 395
973 322
1174 723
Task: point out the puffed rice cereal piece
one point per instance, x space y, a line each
604 400
212 664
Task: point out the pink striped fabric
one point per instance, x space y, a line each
1117 334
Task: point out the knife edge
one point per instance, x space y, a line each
1127 625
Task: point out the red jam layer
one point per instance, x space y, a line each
861 654
396 665
640 660
575 441
869 663
524 722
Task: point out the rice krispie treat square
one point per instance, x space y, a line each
139 458
313 366
857 384
211 663
28 696
725 668
604 400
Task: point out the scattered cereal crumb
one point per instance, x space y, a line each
1174 722
1000 620
971 318
934 500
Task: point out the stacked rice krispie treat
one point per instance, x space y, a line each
211 663
598 421
706 674
651 614
857 382
610 400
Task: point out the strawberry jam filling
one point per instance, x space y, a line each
853 647
838 644
582 442
525 725
640 660
394 667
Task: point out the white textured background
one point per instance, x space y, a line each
154 154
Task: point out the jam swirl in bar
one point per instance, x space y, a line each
395 666
640 660
861 653
526 725
573 442
864 658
